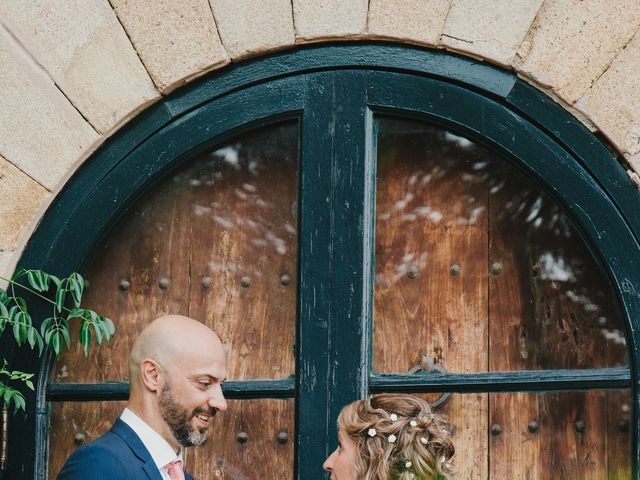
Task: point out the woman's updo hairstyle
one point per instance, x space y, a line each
398 438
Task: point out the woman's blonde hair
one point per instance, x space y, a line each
398 438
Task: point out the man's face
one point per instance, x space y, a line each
187 426
188 402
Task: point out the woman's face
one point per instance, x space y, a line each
343 459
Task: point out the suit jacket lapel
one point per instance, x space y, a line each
125 432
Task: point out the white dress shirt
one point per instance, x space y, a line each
161 452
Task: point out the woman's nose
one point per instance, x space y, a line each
328 463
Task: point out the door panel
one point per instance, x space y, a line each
558 435
216 241
550 305
430 302
253 440
476 268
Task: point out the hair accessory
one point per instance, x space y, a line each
413 423
392 438
423 440
372 432
393 417
408 464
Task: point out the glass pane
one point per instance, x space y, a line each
267 425
568 435
267 452
217 241
477 269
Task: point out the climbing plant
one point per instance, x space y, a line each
64 296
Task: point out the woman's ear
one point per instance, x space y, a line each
152 375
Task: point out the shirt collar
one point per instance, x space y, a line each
160 450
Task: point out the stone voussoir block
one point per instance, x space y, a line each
329 18
40 131
572 42
251 27
8 262
612 102
415 21
22 197
491 29
82 45
175 39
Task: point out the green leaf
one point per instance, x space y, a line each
45 328
99 333
76 313
66 336
18 402
3 310
112 327
22 303
76 286
85 337
31 337
29 384
22 322
106 325
55 280
60 295
56 343
8 393
4 299
18 273
40 345
38 279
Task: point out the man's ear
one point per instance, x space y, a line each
151 374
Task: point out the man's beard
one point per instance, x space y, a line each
179 419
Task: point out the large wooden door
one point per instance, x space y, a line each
341 252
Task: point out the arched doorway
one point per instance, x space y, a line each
426 214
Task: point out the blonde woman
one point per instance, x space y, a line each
392 437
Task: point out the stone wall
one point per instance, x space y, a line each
73 71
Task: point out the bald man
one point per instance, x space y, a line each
176 370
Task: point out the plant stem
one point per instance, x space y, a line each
12 282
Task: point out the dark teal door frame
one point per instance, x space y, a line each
334 91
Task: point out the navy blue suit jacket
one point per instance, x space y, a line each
119 453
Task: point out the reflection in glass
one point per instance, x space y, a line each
217 241
264 450
570 435
477 269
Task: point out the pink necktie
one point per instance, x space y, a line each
174 469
